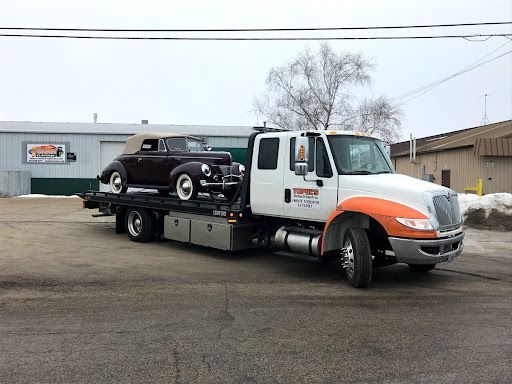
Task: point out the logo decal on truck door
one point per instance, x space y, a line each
308 198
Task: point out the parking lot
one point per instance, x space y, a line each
81 304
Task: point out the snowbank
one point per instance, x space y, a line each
39 196
493 211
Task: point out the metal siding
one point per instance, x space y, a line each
465 167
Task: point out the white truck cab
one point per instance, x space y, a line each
344 185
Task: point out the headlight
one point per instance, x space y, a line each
420 224
241 168
206 169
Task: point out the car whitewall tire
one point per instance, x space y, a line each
116 183
185 187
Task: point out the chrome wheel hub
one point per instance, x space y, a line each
134 223
347 258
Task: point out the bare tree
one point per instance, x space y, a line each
312 92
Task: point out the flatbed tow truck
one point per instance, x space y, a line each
322 196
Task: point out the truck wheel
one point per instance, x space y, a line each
139 224
357 258
116 183
423 268
185 187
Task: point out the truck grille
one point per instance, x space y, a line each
447 211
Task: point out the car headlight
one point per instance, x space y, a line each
206 169
241 168
420 224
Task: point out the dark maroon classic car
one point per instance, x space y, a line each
172 162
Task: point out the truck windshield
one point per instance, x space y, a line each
355 155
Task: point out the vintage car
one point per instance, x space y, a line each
173 162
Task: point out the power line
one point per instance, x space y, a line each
188 38
255 29
437 82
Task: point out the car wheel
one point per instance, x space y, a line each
117 184
357 258
185 187
422 268
139 224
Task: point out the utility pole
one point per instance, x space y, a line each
485 119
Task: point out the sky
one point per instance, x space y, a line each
215 83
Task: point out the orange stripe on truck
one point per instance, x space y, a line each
385 212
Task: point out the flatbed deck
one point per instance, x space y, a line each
108 202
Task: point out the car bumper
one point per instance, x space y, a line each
427 251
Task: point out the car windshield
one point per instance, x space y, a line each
355 155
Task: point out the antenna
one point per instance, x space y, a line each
485 119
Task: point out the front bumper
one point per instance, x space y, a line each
427 251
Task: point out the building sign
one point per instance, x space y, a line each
71 156
46 153
308 198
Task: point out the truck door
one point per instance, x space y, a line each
267 175
314 196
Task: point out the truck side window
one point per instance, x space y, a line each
323 166
149 145
311 158
267 153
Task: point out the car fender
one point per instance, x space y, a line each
192 168
356 211
113 166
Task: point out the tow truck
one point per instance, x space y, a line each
323 196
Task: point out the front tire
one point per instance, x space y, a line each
357 258
139 224
185 187
116 183
421 268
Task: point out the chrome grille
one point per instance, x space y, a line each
447 210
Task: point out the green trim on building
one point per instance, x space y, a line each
62 186
239 154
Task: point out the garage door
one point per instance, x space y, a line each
108 151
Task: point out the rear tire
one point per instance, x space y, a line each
357 261
116 183
139 224
422 268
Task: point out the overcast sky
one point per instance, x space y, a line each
194 82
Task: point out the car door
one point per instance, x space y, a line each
314 196
151 166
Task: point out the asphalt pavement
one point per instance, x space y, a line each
79 304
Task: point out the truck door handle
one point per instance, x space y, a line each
287 195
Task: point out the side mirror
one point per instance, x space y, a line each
301 155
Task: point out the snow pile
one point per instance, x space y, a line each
493 211
39 196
